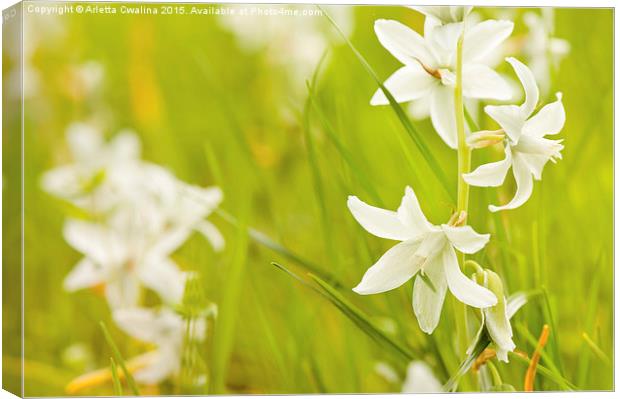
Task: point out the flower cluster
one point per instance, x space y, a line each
449 60
130 216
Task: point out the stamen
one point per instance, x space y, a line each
458 219
433 72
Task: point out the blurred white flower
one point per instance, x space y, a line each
166 330
425 249
444 14
527 150
428 74
543 51
420 379
95 162
296 43
140 214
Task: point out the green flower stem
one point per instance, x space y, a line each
464 165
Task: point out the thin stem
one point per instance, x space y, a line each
464 153
464 164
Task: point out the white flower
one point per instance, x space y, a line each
420 379
424 248
125 255
142 215
95 161
543 51
429 67
527 150
444 14
166 330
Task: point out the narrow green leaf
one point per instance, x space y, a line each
478 348
404 119
118 391
356 315
550 319
595 348
119 359
334 137
224 331
264 240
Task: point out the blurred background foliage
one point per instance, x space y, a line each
216 113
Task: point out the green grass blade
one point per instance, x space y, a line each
356 315
549 319
596 349
119 359
404 119
264 240
118 391
225 327
479 347
344 152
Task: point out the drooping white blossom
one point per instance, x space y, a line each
423 248
496 319
428 74
526 148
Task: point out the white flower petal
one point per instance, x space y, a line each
491 174
509 117
525 184
125 146
63 181
549 120
149 325
165 278
420 379
402 42
163 364
408 83
420 108
528 81
465 238
169 241
461 287
427 303
496 318
480 81
442 114
443 40
392 270
212 234
379 222
123 292
84 274
85 142
94 241
410 214
484 38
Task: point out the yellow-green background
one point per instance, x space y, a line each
216 115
